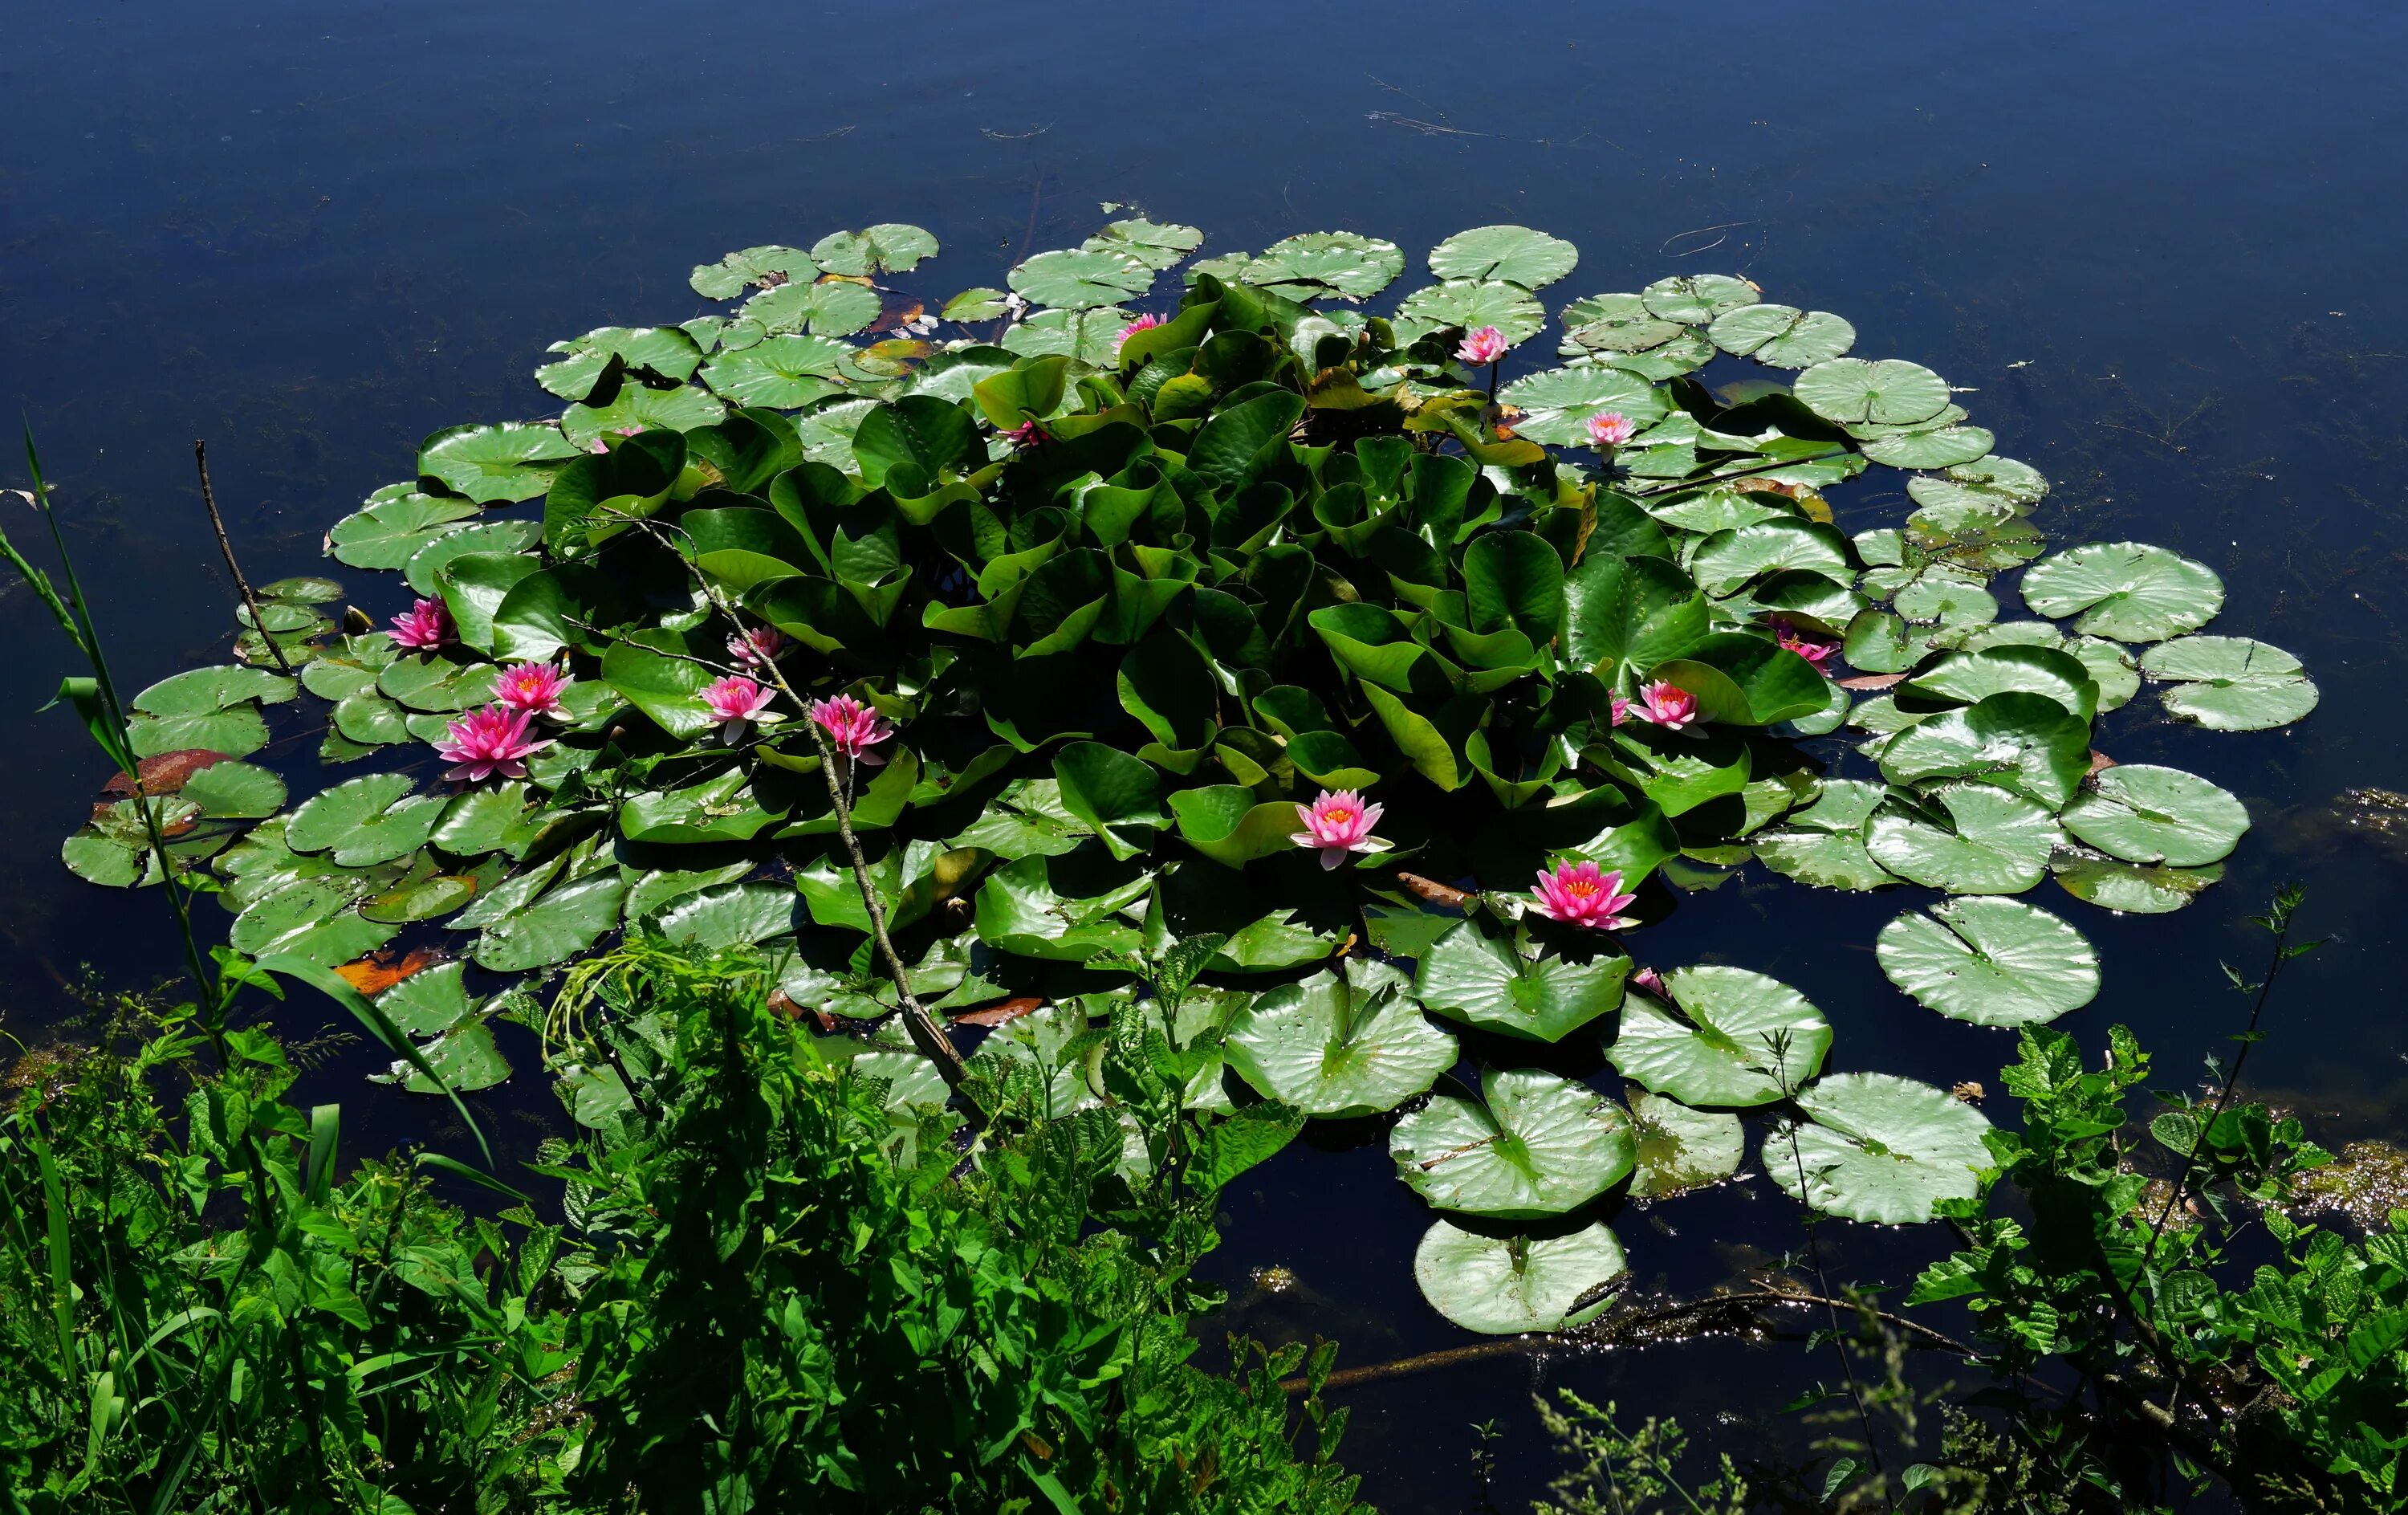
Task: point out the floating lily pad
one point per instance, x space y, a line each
1019 912
1042 1041
2132 888
2230 684
731 275
1325 265
499 537
669 351
1556 405
1781 335
1993 484
235 791
2126 590
216 708
426 898
396 523
1339 1046
1508 1285
1994 963
1935 448
782 373
1089 336
1971 839
464 1058
317 918
1681 1148
1823 843
2144 814
1698 300
113 847
480 821
831 308
981 304
491 464
637 409
1479 979
1616 323
889 247
1156 245
1540 1144
1082 280
1740 1037
1970 677
1514 254
373 819
437 686
1880 1149
429 1002
1471 305
1856 391
731 914
1982 538
1944 597
555 928
2028 742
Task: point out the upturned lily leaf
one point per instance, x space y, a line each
1855 391
1505 1286
1994 963
1479 979
2028 742
1781 335
492 464
1514 255
2132 888
395 522
2230 684
2144 814
1680 1148
1533 1144
1471 305
1737 1038
371 819
889 247
1698 300
1082 280
2125 590
1339 1046
1970 839
1556 405
764 266
782 372
1879 1150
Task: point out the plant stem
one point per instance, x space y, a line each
225 545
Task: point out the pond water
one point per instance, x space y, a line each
2157 239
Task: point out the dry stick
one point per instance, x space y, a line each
926 1035
209 498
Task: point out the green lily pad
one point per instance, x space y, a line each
1081 281
1680 1148
731 914
491 537
426 898
1945 597
553 928
1505 1286
983 303
235 791
317 918
835 308
2144 814
1935 448
1880 1149
1478 978
782 373
1970 677
395 522
2132 888
429 1002
1156 245
1974 839
731 275
1339 1046
370 819
1822 842
2126 590
2230 684
435 685
1738 1038
113 847
1979 539
1088 336
1698 300
638 409
1540 1145
1019 912
1325 265
1994 963
889 247
1470 305
1781 335
1044 1041
1619 324
667 351
491 464
2111 666
1556 405
2028 742
464 1058
481 821
1991 484
216 708
1856 391
1514 254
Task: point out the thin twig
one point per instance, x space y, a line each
225 545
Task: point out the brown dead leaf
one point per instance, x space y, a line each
1871 681
2100 760
846 279
380 971
165 774
1434 891
896 317
995 1015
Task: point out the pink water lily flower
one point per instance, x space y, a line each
1027 434
1621 707
1578 895
533 687
1610 429
1816 653
1482 347
1339 825
1145 323
1650 980
1666 704
424 627
599 445
487 742
757 648
852 727
735 702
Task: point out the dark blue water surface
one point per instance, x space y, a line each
2161 242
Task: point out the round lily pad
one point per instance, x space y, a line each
2144 814
1471 304
1089 336
1824 860
1698 300
1506 1285
370 819
2126 590
1993 483
492 464
1616 323
1974 676
889 247
2230 684
235 791
1156 245
395 522
669 351
2111 666
1540 1144
1936 448
429 1002
1514 255
1680 1148
1971 839
1556 404
1945 597
831 308
485 537
1339 1046
2029 743
1781 335
1982 538
1081 281
1482 980
1856 391
729 277
639 407
2133 888
1994 963
1880 1149
1738 1038
216 708
782 373
316 917
1322 264
565 921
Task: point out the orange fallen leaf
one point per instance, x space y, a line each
1871 681
379 970
2100 760
166 772
995 1015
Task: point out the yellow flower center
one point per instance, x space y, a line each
1580 887
1338 815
